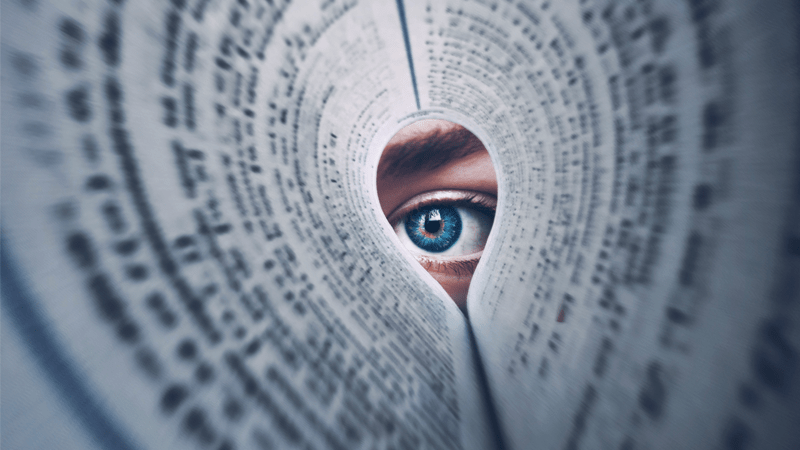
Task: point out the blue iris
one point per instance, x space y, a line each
434 228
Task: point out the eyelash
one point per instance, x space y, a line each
478 200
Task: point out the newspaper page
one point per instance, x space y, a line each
193 251
640 288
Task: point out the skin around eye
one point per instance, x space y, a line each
430 172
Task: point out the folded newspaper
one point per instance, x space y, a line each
194 254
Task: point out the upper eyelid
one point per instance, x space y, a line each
488 201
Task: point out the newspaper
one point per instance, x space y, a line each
194 254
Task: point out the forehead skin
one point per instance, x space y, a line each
470 170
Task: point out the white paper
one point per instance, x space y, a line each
194 255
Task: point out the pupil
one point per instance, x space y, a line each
432 226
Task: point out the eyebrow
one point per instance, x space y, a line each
428 152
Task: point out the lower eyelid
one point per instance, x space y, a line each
457 267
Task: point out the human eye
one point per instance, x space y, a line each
446 230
